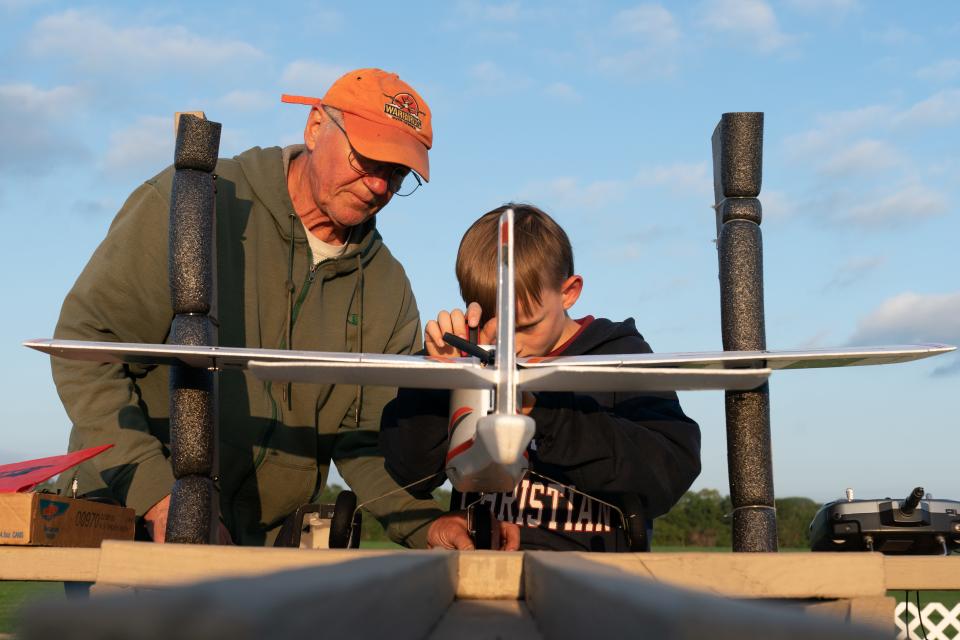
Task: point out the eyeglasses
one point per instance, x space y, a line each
400 180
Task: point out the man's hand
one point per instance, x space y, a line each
450 531
155 522
458 323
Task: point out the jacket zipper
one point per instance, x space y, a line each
274 411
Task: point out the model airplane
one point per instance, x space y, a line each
487 453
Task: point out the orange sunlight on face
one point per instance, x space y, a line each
545 326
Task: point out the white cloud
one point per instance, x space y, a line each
854 119
473 10
35 137
776 205
893 36
489 78
142 148
648 62
853 271
686 178
901 207
817 6
752 21
942 71
88 40
324 19
310 77
30 99
653 37
568 192
562 91
649 22
829 148
831 10
942 108
837 125
950 368
863 156
241 100
912 317
693 177
94 207
17 5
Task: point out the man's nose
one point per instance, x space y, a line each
376 184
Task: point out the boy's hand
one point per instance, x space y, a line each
456 322
449 531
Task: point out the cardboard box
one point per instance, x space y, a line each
44 519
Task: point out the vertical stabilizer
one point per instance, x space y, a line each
506 359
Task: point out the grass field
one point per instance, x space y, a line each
14 595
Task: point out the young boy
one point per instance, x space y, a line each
611 447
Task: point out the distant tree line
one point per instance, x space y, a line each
703 519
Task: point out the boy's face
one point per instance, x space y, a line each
545 326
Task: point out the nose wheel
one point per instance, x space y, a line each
480 525
345 525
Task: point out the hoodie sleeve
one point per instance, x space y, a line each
122 295
413 436
405 515
620 442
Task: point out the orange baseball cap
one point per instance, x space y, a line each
384 117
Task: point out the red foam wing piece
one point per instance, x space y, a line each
23 476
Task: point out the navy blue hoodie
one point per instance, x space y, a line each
604 445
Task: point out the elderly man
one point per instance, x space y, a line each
300 265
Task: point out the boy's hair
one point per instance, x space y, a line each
542 257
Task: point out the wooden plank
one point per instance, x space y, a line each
922 572
490 575
145 564
876 611
572 597
870 610
394 596
49 564
760 575
486 620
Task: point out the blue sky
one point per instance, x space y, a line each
601 113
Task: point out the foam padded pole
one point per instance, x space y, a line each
737 172
191 236
192 422
193 509
738 155
198 144
193 392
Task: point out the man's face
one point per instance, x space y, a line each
347 198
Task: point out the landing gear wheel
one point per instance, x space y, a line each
480 524
637 534
345 526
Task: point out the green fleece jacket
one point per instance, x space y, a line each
276 441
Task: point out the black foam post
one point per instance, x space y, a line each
737 172
195 499
193 402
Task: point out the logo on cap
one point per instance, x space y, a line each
403 107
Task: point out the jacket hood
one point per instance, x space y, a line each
602 336
264 171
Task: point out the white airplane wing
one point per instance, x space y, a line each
790 359
605 379
287 366
731 370
418 372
